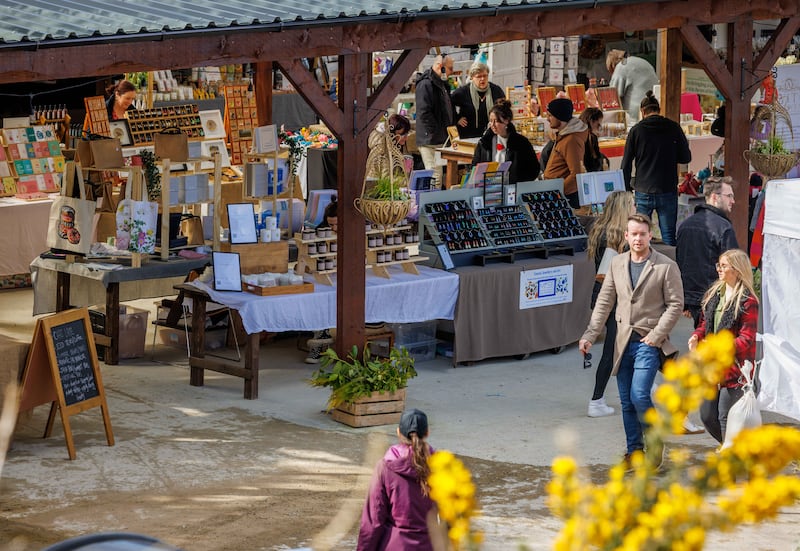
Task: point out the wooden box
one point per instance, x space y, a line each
257 258
380 408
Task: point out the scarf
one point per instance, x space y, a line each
476 100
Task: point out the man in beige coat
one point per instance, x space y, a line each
646 287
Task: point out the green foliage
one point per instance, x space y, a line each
773 146
353 377
386 189
152 176
757 282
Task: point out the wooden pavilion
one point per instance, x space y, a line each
414 28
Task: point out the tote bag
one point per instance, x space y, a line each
136 223
172 144
71 218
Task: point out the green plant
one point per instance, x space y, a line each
352 377
152 177
773 146
387 189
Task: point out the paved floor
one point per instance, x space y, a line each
508 411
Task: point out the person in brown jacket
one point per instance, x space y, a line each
566 157
646 287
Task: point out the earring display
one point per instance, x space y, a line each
553 215
456 225
508 226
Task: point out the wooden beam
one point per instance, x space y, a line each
262 80
737 111
776 45
355 75
249 45
670 76
391 85
719 74
307 86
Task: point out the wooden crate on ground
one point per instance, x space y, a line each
379 408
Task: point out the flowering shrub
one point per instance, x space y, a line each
454 493
671 511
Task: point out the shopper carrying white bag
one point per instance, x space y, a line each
136 223
745 413
71 218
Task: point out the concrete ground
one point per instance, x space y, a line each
204 469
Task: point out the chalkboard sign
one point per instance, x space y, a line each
62 370
74 362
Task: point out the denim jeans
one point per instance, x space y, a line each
666 205
635 376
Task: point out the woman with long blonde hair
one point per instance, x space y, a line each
730 303
607 232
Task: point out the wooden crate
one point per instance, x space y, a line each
257 258
380 408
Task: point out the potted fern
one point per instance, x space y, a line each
770 157
366 390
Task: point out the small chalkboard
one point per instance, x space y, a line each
74 362
62 370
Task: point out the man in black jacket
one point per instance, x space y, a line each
702 237
656 145
434 112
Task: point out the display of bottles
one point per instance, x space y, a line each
48 112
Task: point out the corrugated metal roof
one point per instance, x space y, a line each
48 21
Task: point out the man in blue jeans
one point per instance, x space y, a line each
646 287
656 145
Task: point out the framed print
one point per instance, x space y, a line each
211 121
209 147
242 222
444 255
120 130
227 271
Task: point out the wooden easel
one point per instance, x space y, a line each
62 369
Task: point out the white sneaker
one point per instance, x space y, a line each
690 428
599 408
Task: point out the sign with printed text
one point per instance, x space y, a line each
545 286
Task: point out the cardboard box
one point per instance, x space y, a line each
132 329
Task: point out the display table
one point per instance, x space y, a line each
454 157
24 233
490 324
52 279
404 298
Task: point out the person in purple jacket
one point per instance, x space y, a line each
398 504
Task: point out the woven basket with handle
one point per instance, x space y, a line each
771 165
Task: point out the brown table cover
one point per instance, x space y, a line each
489 324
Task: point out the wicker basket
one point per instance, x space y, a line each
771 165
380 212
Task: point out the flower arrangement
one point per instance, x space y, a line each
454 493
743 483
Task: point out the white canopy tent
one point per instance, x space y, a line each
780 369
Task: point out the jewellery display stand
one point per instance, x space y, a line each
551 213
146 123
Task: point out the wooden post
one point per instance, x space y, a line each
670 72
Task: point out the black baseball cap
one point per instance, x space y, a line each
414 420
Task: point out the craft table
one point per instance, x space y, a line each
45 270
403 298
490 324
454 157
24 233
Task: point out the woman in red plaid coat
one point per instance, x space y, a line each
731 304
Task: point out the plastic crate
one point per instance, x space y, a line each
413 333
420 351
176 338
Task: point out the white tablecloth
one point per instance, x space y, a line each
24 233
405 298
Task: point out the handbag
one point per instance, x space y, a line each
71 218
192 229
137 221
172 144
99 151
745 413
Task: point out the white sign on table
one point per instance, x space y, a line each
545 286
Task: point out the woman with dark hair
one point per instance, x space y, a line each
501 143
593 159
396 512
729 304
120 100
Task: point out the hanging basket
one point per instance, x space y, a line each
382 213
771 165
